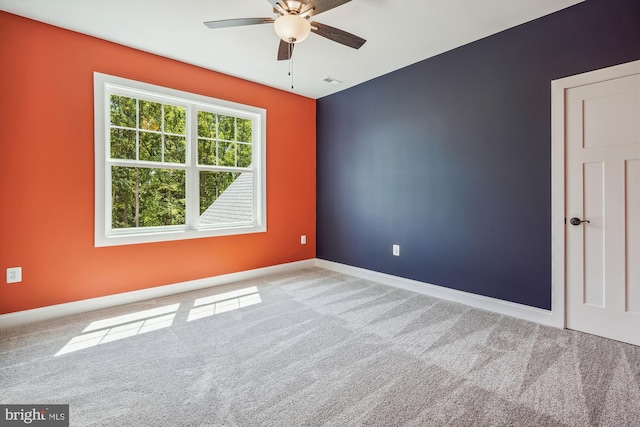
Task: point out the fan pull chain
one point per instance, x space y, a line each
291 63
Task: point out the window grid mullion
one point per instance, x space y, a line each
217 140
235 141
146 164
137 129
213 168
193 179
157 132
162 133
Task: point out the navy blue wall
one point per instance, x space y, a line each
451 157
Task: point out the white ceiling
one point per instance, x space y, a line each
398 33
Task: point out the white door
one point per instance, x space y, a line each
602 125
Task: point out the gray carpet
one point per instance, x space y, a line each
316 347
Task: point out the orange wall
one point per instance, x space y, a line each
47 173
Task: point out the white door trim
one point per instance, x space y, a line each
558 261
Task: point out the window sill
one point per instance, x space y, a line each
172 235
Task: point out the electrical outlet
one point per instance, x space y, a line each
303 239
14 274
396 250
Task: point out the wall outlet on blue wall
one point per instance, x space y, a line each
396 250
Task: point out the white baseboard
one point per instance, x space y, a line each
508 308
520 311
53 311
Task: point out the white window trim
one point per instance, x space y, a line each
103 84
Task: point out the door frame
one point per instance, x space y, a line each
558 175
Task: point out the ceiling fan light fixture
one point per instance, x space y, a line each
292 28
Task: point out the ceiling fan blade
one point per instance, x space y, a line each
277 4
285 50
315 7
337 35
225 23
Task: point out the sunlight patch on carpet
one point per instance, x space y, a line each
119 327
222 303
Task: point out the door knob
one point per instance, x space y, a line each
578 221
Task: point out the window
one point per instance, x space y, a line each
172 165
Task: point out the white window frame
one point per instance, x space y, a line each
104 85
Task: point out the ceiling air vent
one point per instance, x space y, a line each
332 81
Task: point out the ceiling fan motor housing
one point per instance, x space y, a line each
293 6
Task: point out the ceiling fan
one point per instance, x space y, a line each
292 24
